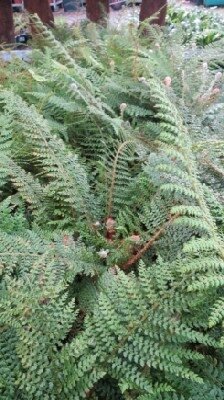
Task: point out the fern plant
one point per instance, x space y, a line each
111 219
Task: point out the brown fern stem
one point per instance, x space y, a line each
136 257
214 167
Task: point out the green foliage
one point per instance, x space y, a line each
112 219
198 25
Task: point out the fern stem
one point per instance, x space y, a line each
136 257
214 167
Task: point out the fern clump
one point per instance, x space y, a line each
112 218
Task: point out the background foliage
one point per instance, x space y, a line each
199 25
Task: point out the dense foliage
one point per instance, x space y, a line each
200 25
112 218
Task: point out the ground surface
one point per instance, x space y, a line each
128 13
